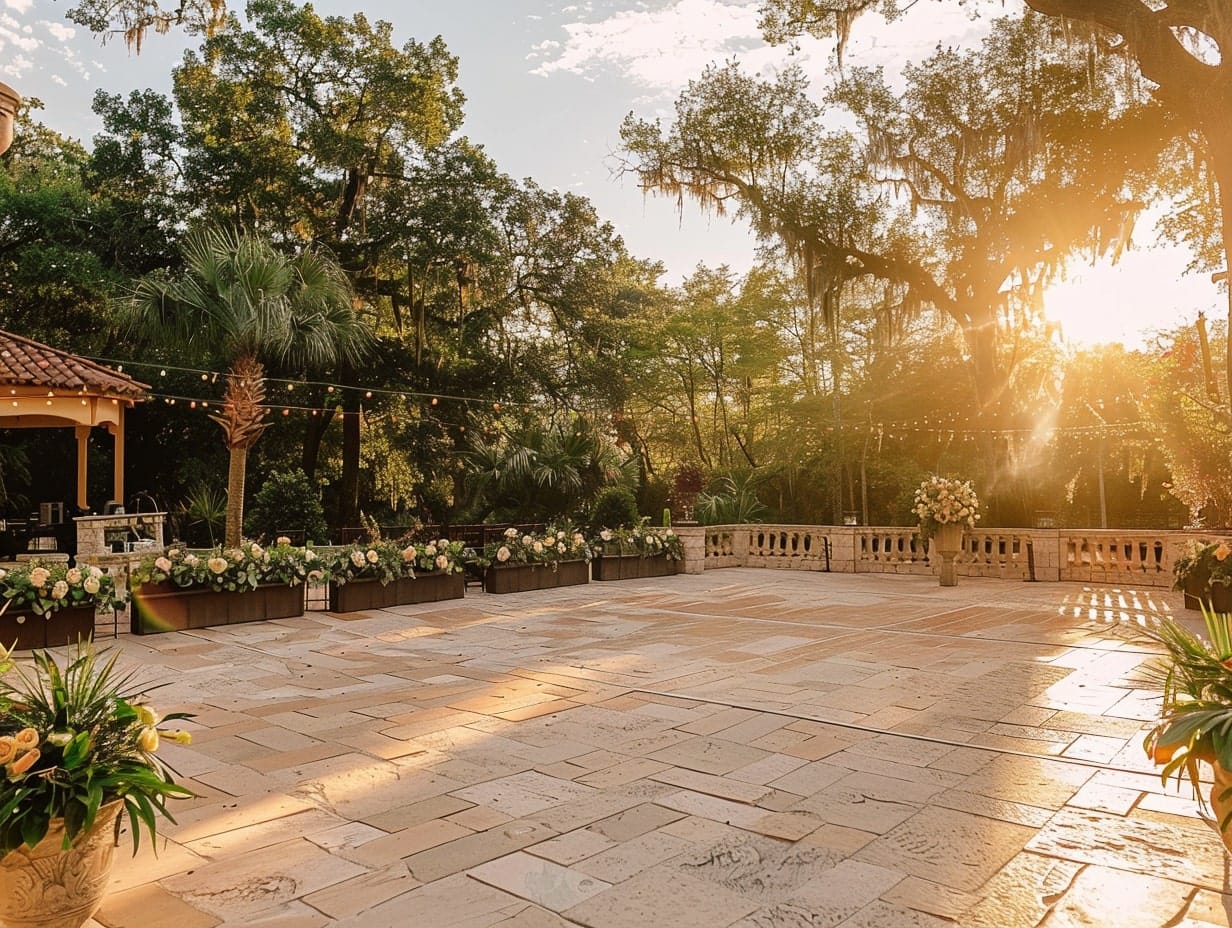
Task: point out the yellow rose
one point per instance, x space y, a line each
24 763
148 740
26 739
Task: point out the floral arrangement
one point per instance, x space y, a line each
387 560
230 569
644 540
72 741
46 588
944 501
553 545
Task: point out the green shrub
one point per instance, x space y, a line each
286 502
615 507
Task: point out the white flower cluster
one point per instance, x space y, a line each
943 500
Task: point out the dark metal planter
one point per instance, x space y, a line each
523 578
361 595
30 631
632 567
163 607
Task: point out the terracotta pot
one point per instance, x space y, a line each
46 887
1221 805
947 541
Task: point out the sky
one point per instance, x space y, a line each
548 83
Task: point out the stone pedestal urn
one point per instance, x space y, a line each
9 102
47 887
947 542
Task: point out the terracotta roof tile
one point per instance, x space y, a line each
27 363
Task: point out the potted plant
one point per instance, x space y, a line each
1192 572
636 553
48 605
77 748
946 507
518 562
394 573
1195 721
181 589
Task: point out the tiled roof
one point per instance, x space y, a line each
26 363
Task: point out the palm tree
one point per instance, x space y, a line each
240 298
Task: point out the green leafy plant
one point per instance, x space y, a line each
73 738
555 544
614 508
231 569
643 540
45 588
733 502
287 501
205 507
387 561
1195 679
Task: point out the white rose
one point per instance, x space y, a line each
441 562
191 560
538 547
511 533
282 540
91 585
60 590
163 564
217 565
549 541
372 557
257 552
503 554
39 577
606 535
409 554
430 550
73 575
3 573
309 555
357 558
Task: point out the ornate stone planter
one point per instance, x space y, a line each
163 607
523 578
46 887
632 567
947 541
359 595
30 631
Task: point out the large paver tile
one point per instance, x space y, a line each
540 881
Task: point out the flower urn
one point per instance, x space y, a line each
947 541
48 887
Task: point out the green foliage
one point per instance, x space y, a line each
74 737
733 501
204 510
614 508
287 501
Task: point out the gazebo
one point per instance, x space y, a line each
42 388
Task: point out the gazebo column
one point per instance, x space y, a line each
83 457
117 483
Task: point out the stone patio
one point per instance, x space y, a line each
744 748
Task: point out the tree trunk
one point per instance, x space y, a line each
236 471
313 435
1221 163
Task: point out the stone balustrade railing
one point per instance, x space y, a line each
1114 556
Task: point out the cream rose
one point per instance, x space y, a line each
91 585
372 557
357 558
217 565
163 564
73 575
409 554
503 554
60 590
441 562
39 577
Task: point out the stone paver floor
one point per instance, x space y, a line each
741 749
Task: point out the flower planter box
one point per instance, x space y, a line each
523 578
360 595
163 607
29 631
633 567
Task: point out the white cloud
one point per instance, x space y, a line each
57 79
662 48
60 32
21 6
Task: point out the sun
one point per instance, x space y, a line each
1146 292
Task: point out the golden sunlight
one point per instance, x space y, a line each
1146 292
